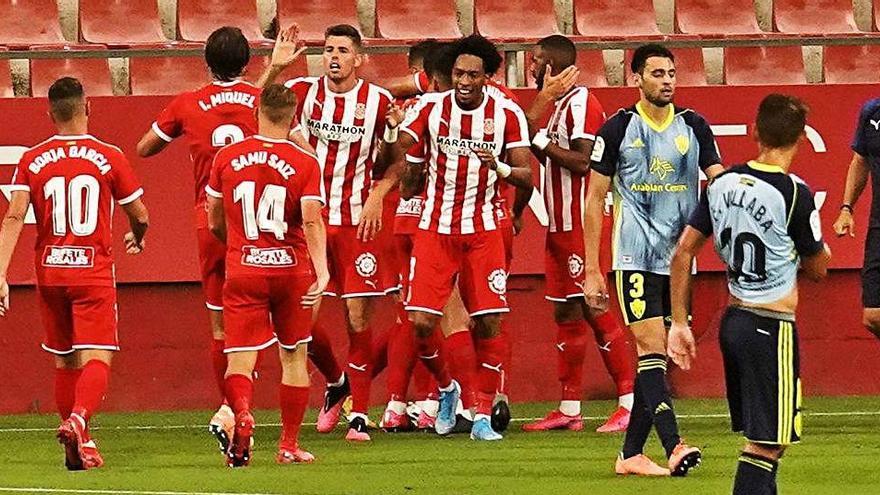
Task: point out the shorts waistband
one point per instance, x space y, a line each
765 313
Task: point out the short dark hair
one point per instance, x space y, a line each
66 97
346 30
561 49
434 63
644 52
477 46
227 53
781 120
419 51
278 103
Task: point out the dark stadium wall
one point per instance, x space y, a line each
164 363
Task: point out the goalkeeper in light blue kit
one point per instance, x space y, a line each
766 227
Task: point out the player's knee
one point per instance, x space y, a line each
95 355
66 362
871 321
564 312
487 326
423 324
358 315
765 450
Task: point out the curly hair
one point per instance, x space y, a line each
477 46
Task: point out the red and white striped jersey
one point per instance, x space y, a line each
345 130
460 191
578 115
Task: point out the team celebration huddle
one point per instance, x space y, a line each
414 192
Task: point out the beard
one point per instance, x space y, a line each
658 100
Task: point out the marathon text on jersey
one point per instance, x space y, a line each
328 131
463 147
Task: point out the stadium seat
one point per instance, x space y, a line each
197 19
759 65
109 22
716 18
94 73
383 66
851 64
313 16
615 19
814 17
33 22
592 66
416 20
515 19
689 67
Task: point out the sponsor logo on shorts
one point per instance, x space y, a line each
366 265
277 257
575 265
498 282
69 256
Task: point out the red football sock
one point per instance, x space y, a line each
402 349
218 362
424 382
459 352
321 354
616 351
239 392
359 363
428 352
490 356
90 388
65 390
571 342
504 388
380 351
294 401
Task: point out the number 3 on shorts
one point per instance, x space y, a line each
637 281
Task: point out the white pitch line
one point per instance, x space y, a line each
514 420
115 492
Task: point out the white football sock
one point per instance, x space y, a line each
430 407
570 407
396 406
626 401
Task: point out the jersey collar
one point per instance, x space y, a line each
766 167
270 140
653 125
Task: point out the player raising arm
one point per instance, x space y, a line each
652 154
72 180
765 226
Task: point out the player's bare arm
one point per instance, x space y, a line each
712 171
139 221
554 88
517 172
412 179
216 218
680 346
576 160
815 267
150 144
316 241
370 226
288 48
595 285
856 179
13 223
402 87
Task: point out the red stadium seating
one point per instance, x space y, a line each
31 22
749 66
717 18
94 73
689 67
380 67
592 66
615 18
119 23
814 17
852 64
515 19
197 19
313 16
417 20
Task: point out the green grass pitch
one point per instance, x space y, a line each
170 453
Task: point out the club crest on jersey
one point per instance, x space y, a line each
360 111
69 256
682 143
278 257
575 265
498 282
489 126
366 265
637 308
462 147
328 131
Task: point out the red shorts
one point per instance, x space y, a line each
253 305
212 265
355 266
505 225
78 317
404 245
388 246
564 265
477 260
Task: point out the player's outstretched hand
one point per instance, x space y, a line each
371 219
288 47
316 290
486 157
596 290
845 224
394 116
132 246
681 346
517 225
556 86
4 297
